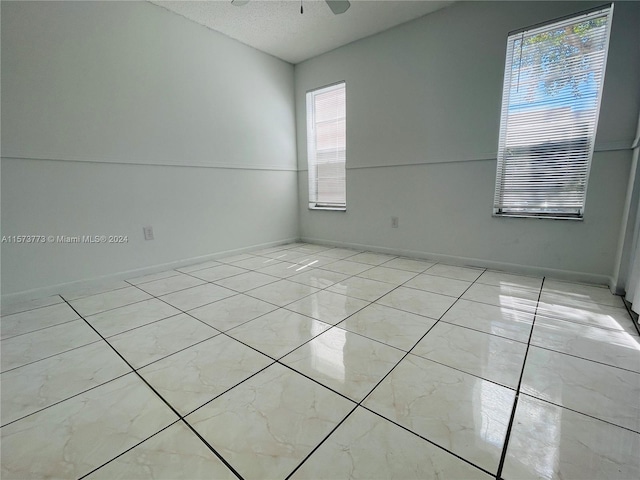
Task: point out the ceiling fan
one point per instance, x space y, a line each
336 6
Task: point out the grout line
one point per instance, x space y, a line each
312 318
301 373
336 325
175 274
413 275
128 449
187 312
516 308
580 413
180 417
100 312
585 359
94 292
507 436
210 447
41 329
590 325
3 315
198 269
192 274
204 282
459 457
321 442
513 389
426 272
51 356
277 360
317 290
344 319
134 370
273 362
274 359
414 346
143 325
65 399
315 381
359 404
436 293
216 334
486 333
214 282
154 297
403 270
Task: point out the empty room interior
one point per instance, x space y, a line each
320 240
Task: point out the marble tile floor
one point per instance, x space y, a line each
311 362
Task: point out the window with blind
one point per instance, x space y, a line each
327 147
550 102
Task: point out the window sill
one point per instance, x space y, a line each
331 209
537 217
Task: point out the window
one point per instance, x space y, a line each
551 97
327 147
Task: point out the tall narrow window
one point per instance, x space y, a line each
327 147
551 97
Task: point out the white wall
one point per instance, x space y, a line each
423 111
117 115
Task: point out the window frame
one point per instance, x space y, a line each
538 211
312 150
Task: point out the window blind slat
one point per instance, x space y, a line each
551 97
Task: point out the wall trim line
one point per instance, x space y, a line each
157 164
617 146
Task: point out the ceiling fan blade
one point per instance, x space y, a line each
338 6
239 3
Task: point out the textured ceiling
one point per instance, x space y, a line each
277 27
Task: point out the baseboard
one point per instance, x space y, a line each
70 287
61 289
617 288
568 275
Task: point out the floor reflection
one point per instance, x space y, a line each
328 353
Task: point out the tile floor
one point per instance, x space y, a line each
305 361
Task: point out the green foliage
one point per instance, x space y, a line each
559 55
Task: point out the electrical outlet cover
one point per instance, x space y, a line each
148 233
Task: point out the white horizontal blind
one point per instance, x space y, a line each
551 98
327 146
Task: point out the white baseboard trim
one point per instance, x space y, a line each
568 275
70 287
